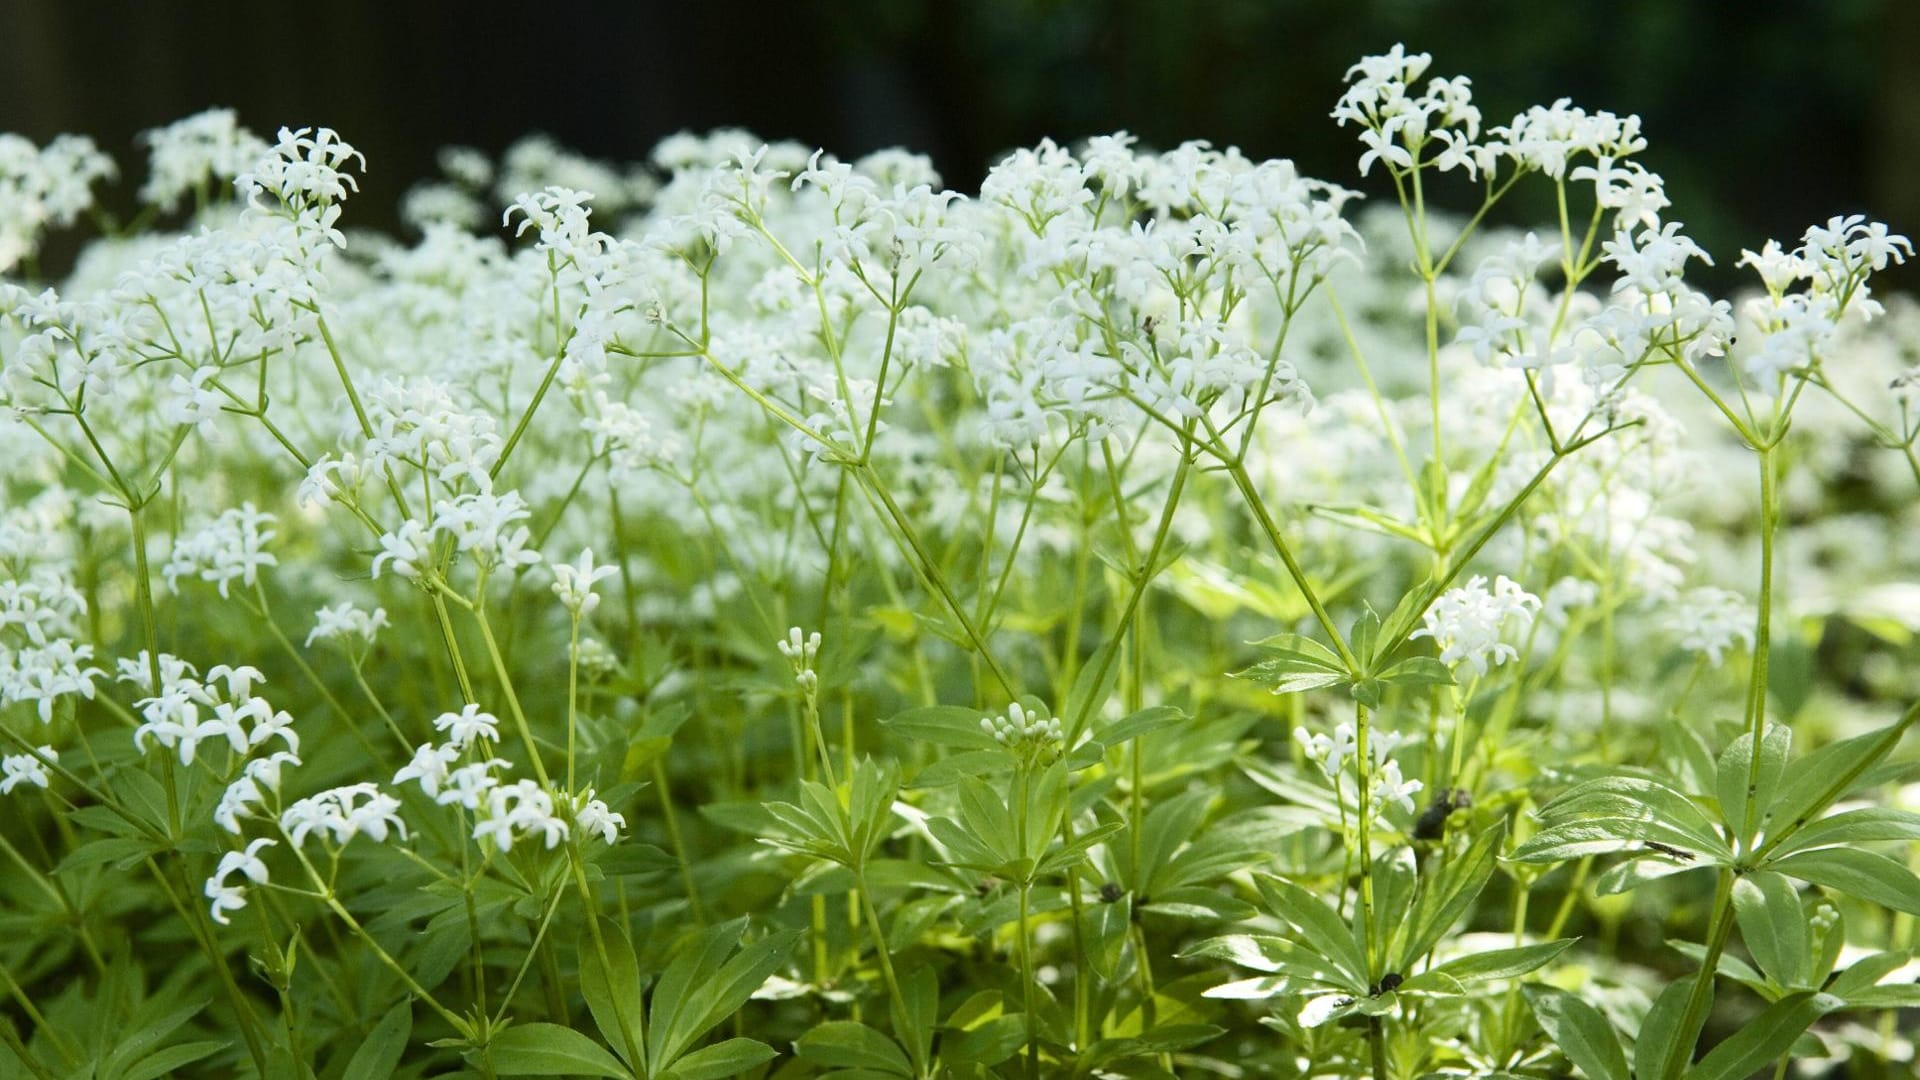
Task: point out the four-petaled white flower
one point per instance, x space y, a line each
573 583
467 725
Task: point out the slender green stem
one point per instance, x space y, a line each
672 819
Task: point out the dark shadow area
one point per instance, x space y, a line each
1763 116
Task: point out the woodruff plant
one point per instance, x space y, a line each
762 614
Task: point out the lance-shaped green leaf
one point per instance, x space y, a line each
1773 925
1446 896
1580 1031
1827 774
1636 798
704 985
1485 967
727 1058
612 989
1735 767
1764 1038
1325 931
1868 825
1291 664
550 1050
1868 875
845 1044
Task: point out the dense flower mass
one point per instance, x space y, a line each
1260 625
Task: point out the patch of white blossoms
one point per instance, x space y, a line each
1476 626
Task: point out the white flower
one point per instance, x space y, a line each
225 898
228 548
344 620
17 769
1330 752
468 785
1468 622
523 809
1392 787
247 864
468 724
339 815
573 583
431 766
239 798
409 550
1709 621
594 817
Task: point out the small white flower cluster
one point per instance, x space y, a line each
18 769
1020 728
44 674
196 154
228 548
302 170
344 622
524 809
1384 779
1709 621
488 528
596 818
339 815
259 780
801 653
1396 125
247 864
40 608
1833 262
573 583
177 717
1469 622
42 187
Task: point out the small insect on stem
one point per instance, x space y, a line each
1432 823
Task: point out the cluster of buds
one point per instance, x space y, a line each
802 652
1022 728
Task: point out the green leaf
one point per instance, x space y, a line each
944 725
1865 874
376 1058
1446 896
1145 722
1868 825
1764 1038
1773 925
121 851
1104 929
1418 671
844 1044
1325 931
722 1059
1292 663
551 1050
1867 973
161 1062
1580 1031
1492 964
1669 816
1829 773
612 988
1661 1045
1734 767
987 1044
702 987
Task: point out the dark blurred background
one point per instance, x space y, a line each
1764 115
